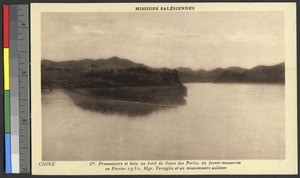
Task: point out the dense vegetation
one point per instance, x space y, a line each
76 78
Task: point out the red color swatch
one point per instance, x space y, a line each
6 26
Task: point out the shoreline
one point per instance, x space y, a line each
87 99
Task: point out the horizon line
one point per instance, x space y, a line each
81 59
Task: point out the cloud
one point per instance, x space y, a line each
153 34
262 39
82 30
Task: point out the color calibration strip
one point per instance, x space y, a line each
16 88
6 15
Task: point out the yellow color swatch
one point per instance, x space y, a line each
6 68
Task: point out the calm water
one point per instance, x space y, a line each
219 121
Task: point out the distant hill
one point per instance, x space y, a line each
188 75
236 69
273 74
229 76
261 74
112 63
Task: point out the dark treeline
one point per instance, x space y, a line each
76 78
130 77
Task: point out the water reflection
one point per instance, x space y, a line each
108 106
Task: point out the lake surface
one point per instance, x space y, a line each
218 121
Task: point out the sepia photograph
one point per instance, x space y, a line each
161 86
163 83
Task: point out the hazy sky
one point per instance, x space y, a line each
173 39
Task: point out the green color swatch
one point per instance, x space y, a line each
7 111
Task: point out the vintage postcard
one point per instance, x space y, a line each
162 88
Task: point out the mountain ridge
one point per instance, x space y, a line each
234 74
